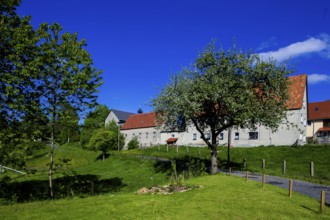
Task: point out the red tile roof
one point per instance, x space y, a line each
324 129
319 110
296 91
145 120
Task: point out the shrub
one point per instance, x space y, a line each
133 144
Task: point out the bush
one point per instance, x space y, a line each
133 144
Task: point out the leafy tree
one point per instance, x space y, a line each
102 140
67 125
113 127
224 89
18 50
66 75
133 144
94 120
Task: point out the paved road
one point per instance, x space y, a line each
310 189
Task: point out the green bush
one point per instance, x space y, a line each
133 144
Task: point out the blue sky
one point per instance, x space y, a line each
140 44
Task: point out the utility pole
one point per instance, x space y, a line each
118 136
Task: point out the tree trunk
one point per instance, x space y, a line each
214 155
50 172
214 163
229 144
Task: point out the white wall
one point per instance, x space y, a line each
111 117
146 136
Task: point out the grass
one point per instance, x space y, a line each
117 174
222 197
297 159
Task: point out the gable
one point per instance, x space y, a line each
297 87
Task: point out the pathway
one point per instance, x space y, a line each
310 189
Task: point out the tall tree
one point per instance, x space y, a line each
66 75
18 50
224 89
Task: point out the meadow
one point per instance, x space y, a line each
88 188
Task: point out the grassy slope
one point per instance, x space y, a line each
297 159
222 197
135 172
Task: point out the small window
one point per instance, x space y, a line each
309 123
221 136
236 135
208 136
253 135
194 136
147 135
173 135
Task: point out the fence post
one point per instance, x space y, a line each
167 147
263 164
229 171
322 201
312 169
284 167
263 180
290 188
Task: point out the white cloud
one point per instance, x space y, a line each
311 45
318 78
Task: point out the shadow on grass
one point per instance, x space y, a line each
64 187
188 164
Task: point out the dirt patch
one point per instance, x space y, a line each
165 190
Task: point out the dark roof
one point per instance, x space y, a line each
297 91
144 120
319 110
121 115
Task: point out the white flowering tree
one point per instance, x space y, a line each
224 89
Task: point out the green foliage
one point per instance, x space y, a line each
67 129
94 120
133 144
102 140
113 127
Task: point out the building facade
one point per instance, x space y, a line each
318 128
292 132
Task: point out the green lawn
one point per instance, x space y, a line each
297 159
222 197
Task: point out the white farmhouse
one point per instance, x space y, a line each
143 126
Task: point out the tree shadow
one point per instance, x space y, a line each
64 187
100 157
186 164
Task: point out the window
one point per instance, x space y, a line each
173 135
146 135
221 136
236 135
194 136
309 123
253 135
